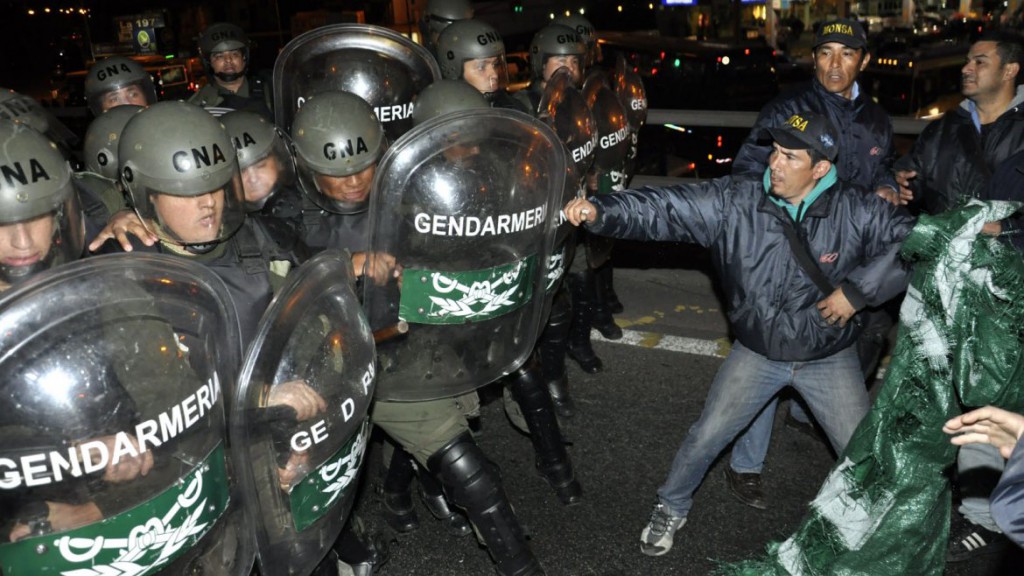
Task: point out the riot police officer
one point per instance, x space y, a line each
225 51
40 219
117 81
180 169
338 142
553 47
438 15
98 184
473 51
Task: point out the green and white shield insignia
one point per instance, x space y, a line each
319 491
431 297
139 541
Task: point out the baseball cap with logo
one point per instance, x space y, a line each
845 31
806 131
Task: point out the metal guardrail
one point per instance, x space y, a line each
731 119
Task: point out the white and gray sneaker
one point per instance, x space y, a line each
656 539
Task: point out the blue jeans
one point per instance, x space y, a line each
979 467
833 388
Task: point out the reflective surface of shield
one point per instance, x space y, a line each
466 207
113 444
383 67
563 108
301 422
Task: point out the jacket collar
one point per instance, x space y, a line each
855 102
968 105
812 206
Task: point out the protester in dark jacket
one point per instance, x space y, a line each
952 161
866 151
789 332
865 158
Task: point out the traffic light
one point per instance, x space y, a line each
517 8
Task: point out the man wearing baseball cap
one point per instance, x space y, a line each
866 156
794 319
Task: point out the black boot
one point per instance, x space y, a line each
364 552
606 288
603 321
552 459
473 484
433 498
551 350
399 511
582 288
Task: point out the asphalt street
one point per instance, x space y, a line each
631 419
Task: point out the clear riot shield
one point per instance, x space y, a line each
609 169
301 422
466 208
113 443
380 65
563 108
629 87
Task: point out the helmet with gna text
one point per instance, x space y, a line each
264 159
117 81
223 37
440 14
337 141
586 31
41 224
469 40
180 169
555 40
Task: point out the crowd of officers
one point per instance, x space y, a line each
256 201
252 202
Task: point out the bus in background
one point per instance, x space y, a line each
919 82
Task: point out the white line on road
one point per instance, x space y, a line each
714 348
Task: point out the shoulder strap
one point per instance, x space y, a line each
805 260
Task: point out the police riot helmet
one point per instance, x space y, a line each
335 134
586 31
438 15
21 108
467 40
35 183
116 81
170 153
444 97
263 156
554 40
102 137
222 37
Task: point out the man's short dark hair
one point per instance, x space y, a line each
816 156
1009 45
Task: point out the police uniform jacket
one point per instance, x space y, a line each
864 130
954 160
246 263
252 96
855 239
